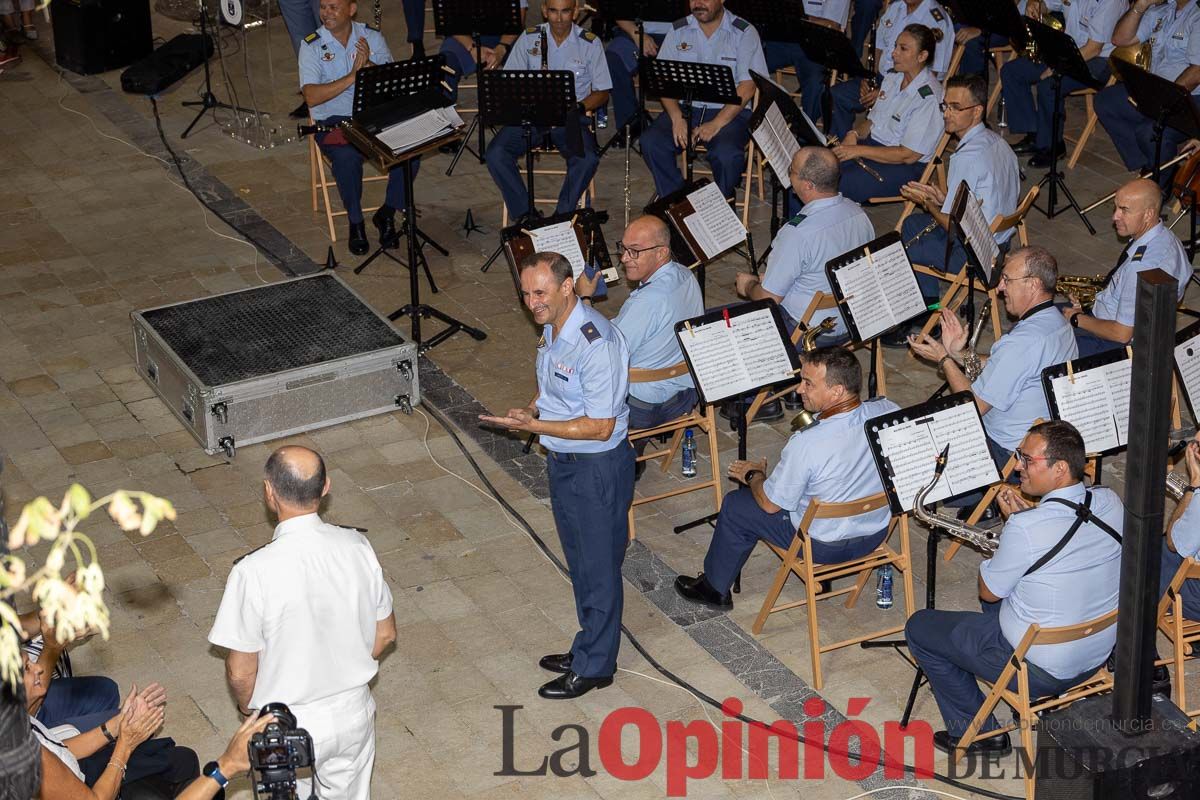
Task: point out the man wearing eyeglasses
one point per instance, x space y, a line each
1058 563
1009 390
985 163
666 293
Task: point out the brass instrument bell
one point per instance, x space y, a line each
806 419
1140 55
1083 287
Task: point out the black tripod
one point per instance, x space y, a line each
208 100
1054 177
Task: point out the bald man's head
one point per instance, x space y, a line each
1138 205
815 171
649 236
296 476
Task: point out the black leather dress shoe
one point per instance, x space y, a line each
897 338
992 746
768 412
299 112
792 401
1041 159
699 590
384 221
1028 144
358 239
556 662
570 686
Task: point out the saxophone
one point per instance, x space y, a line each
806 419
1083 287
972 363
1177 485
982 538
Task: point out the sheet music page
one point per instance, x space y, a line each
863 297
777 142
898 282
911 448
978 232
1119 375
715 360
1088 405
1187 358
764 355
714 225
420 129
559 238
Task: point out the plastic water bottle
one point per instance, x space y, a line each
689 454
883 589
602 117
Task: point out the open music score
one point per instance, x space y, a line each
968 213
1093 395
1187 362
713 224
906 444
777 141
876 287
737 350
560 238
414 132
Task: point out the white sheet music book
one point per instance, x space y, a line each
738 355
560 238
978 232
1096 402
911 449
776 140
422 128
1187 359
880 290
714 225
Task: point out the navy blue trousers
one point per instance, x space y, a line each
622 57
414 19
1190 591
1132 132
860 186
809 73
1090 344
461 60
974 58
953 647
1021 79
742 523
84 702
649 415
508 146
300 17
844 97
864 16
590 495
930 250
726 152
347 165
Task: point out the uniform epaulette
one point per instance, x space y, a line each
312 37
741 24
682 22
252 552
589 331
796 220
587 36
532 29
925 91
1137 254
937 14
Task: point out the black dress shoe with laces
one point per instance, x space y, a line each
1028 144
767 412
570 686
556 662
1042 158
792 401
384 221
358 239
992 746
699 590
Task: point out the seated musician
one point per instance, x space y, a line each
899 135
809 74
622 56
666 293
829 461
1183 537
1173 31
570 48
985 162
459 51
1008 391
1058 563
330 59
709 35
1151 245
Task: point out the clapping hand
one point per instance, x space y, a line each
1010 500
1191 455
139 721
362 55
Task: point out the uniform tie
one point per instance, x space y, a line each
1124 257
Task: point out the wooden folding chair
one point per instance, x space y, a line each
703 419
1182 632
981 506
934 165
1089 125
320 181
1027 707
797 560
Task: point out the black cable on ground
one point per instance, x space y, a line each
670 676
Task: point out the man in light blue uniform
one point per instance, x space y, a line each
1183 537
667 293
709 35
809 74
1090 24
580 415
460 53
1151 245
330 59
849 96
830 226
569 48
1173 29
983 161
1009 390
1058 563
622 57
830 461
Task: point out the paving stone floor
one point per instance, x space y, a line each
95 224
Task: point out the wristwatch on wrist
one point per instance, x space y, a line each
107 733
1194 489
211 770
1075 319
749 476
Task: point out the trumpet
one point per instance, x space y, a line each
806 419
974 535
1083 287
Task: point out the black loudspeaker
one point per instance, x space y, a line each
1081 755
167 64
93 36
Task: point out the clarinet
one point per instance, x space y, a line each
545 48
378 15
872 59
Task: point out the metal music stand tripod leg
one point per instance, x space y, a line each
208 100
1054 177
527 131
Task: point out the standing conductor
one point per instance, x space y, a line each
580 414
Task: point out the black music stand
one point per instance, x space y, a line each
475 18
833 51
1059 53
207 100
1166 102
691 83
642 11
530 99
991 18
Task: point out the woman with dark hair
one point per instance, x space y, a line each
895 141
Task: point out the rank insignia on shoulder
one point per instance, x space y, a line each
1137 254
589 331
796 220
680 23
252 552
587 36
937 14
925 91
741 24
312 37
532 29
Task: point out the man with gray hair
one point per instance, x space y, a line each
828 226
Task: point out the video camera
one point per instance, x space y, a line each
277 752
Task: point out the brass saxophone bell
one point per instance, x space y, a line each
803 421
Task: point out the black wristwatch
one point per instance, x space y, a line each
750 473
211 770
1075 319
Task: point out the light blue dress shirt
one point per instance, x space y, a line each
908 116
989 166
583 373
833 10
734 44
895 18
1011 381
578 54
831 462
1078 584
1185 533
324 60
647 321
828 228
1094 20
1156 248
1174 35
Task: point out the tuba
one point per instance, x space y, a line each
974 535
1084 287
806 419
